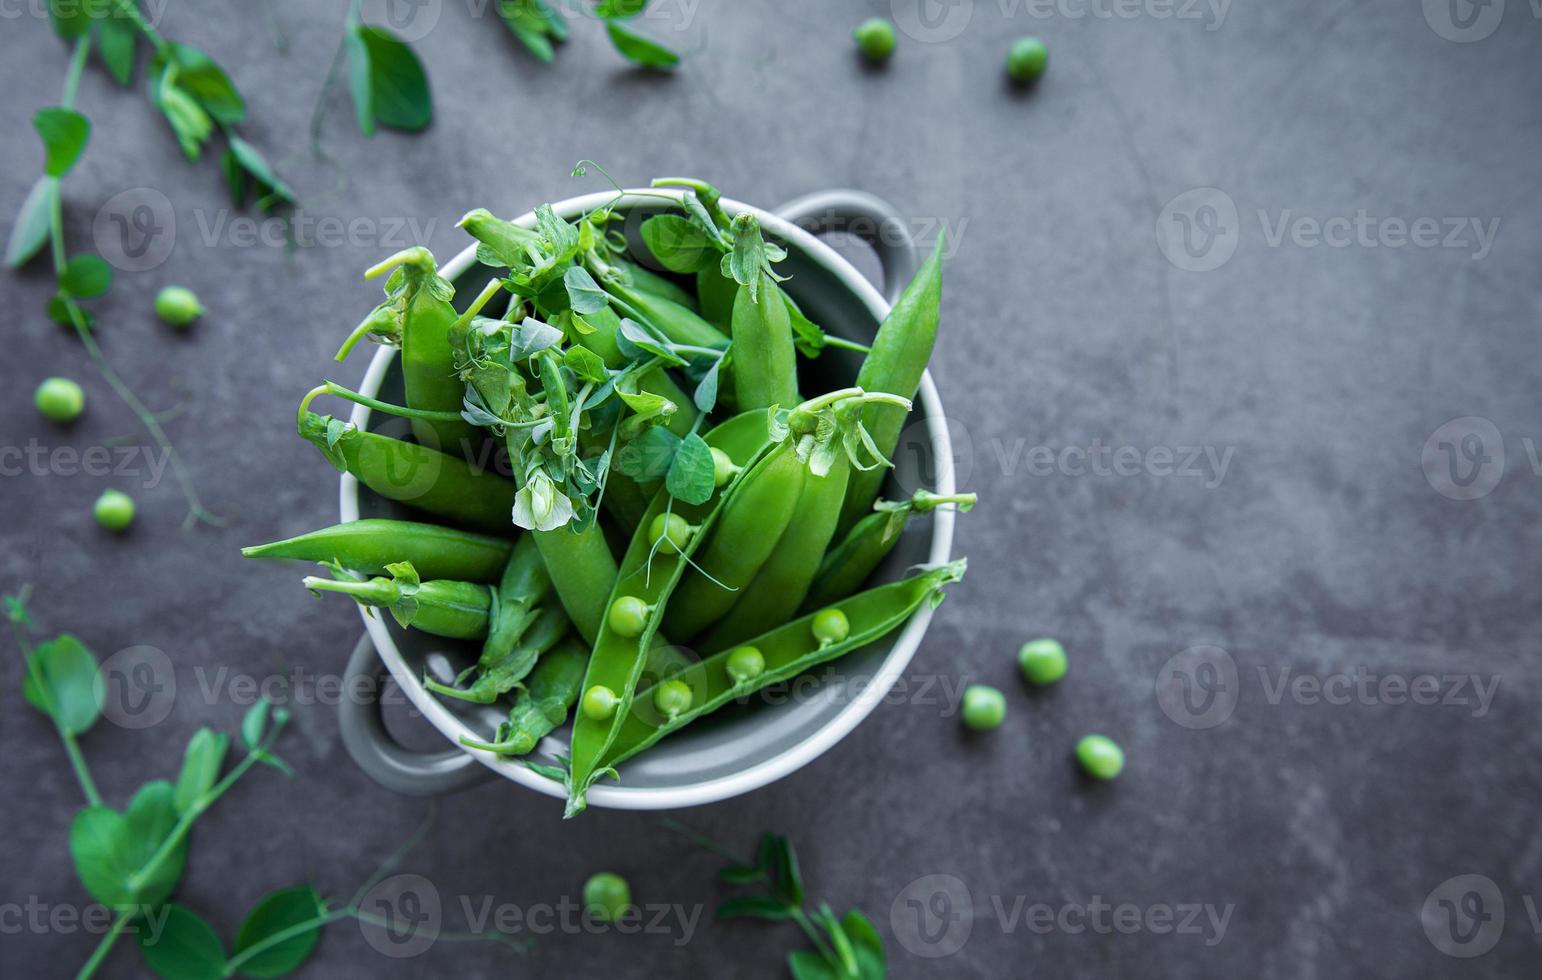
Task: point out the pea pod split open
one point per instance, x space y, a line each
647 577
784 653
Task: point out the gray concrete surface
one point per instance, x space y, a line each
1324 816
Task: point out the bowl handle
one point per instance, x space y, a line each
871 219
381 757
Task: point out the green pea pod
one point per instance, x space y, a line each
648 576
849 563
524 586
787 651
716 293
420 300
458 610
895 364
371 544
773 596
582 570
415 475
548 627
753 520
677 323
542 703
764 362
651 282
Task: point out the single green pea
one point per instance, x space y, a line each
875 38
1100 756
114 510
673 698
178 306
746 664
676 529
984 707
600 702
607 896
1027 59
723 468
1042 661
830 626
60 399
629 616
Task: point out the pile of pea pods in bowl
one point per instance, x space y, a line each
614 494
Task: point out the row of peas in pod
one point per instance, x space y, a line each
677 522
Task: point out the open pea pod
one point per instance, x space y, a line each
780 654
648 575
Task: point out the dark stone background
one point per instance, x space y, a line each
1324 551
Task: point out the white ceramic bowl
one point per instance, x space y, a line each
740 748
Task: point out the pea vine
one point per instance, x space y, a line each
195 96
132 860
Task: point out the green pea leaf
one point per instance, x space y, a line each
586 364
59 310
641 50
86 275
118 45
753 907
71 18
649 456
185 948
30 233
740 874
111 849
691 474
282 910
201 78
863 935
806 964
788 879
255 724
678 243
584 294
200 767
705 396
806 334
620 9
254 163
64 133
535 24
389 84
63 681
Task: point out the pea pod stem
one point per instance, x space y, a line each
333 388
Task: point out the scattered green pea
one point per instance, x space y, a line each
600 702
830 626
875 38
676 529
607 896
114 510
723 468
673 698
1027 59
178 306
984 707
1100 756
1042 661
746 664
629 616
60 399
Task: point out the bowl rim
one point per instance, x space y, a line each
798 754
